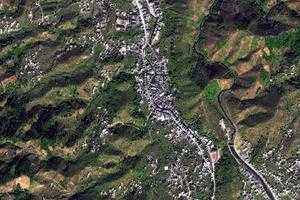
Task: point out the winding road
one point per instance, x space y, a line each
153 86
247 166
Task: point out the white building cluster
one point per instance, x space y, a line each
153 85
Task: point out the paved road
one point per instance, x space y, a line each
234 153
153 86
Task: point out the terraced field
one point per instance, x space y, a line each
59 91
73 124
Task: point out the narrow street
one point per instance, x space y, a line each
153 81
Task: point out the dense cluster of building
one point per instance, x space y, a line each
152 79
153 85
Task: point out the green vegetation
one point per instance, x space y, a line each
263 4
73 91
128 35
163 151
177 44
20 194
62 113
9 89
68 25
274 57
79 130
264 77
98 48
123 4
16 51
211 91
290 39
178 39
256 156
228 178
117 93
